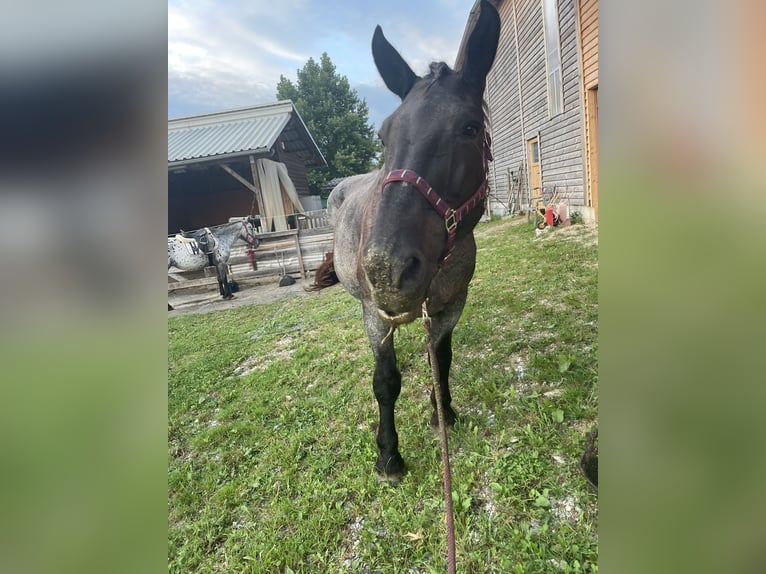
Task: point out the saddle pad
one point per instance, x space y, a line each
190 245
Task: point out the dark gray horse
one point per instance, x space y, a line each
404 235
195 250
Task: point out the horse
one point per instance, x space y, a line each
192 251
403 236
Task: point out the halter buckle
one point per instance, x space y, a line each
450 221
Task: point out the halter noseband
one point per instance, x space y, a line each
248 235
452 217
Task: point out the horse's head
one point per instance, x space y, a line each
248 233
435 159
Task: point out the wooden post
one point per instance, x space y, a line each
300 256
258 198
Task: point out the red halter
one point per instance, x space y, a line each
452 217
252 238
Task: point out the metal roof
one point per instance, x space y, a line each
243 131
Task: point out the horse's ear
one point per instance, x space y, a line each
397 75
481 47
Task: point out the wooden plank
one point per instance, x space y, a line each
213 282
265 237
192 283
241 260
270 246
256 182
589 27
590 44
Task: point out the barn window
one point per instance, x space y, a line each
553 58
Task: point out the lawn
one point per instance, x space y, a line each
271 427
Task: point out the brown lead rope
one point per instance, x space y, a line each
448 508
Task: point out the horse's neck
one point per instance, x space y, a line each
228 234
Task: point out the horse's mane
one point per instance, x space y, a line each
438 70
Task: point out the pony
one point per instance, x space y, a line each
403 236
192 251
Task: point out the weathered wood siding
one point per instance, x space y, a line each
588 18
589 38
296 169
517 96
278 254
503 98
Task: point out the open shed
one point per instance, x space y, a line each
248 161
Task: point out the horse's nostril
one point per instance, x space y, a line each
410 271
390 273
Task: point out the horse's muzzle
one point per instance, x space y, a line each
397 284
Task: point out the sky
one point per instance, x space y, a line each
227 54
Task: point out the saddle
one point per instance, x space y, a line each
203 242
183 239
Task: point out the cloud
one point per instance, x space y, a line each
230 53
217 62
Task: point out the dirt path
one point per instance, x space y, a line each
207 300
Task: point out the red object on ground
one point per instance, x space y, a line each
549 215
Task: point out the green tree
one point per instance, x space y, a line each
337 119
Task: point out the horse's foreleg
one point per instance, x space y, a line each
441 332
223 281
386 384
444 361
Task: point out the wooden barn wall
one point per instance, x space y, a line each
517 96
561 138
296 169
502 96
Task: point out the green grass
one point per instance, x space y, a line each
271 420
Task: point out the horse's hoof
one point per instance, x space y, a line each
391 479
390 470
450 418
225 298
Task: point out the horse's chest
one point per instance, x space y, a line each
451 282
442 291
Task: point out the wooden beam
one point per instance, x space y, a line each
239 178
252 187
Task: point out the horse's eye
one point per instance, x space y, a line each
471 130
